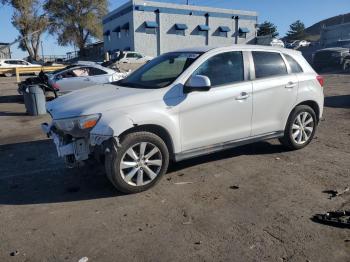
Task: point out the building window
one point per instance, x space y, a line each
203 30
107 34
151 31
126 28
117 30
243 31
181 29
151 27
223 31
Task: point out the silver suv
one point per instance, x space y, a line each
188 103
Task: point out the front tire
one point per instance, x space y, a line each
137 163
300 129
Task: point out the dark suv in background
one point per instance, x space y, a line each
335 57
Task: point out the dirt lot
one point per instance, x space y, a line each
251 203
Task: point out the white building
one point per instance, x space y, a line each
153 28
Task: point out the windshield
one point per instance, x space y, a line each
161 71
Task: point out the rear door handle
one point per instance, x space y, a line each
242 96
291 85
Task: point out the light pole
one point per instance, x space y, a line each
42 51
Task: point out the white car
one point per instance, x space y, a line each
185 104
10 63
80 76
277 43
130 57
304 43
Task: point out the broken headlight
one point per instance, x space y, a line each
77 126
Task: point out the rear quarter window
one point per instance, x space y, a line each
268 64
294 65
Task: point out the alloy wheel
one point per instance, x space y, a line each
141 164
302 128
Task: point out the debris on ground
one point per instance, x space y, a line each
335 193
188 218
277 158
234 187
183 183
338 218
198 242
14 253
83 259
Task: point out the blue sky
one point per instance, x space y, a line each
282 13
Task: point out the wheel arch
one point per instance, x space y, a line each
313 105
155 129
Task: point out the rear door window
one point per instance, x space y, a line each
268 64
223 69
295 67
93 71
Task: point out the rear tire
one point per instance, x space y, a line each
137 163
300 128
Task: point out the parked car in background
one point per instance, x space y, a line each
277 42
133 58
297 44
292 44
10 63
336 57
303 43
80 76
188 103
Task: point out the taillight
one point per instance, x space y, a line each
55 86
320 79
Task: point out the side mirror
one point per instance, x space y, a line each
197 83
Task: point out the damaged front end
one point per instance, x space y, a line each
74 138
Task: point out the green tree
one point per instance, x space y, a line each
267 28
76 21
296 31
30 22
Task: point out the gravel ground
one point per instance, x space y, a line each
252 203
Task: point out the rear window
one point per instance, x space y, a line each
268 64
295 67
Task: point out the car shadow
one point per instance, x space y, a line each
11 99
2 113
259 148
342 101
31 173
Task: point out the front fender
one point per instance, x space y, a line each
110 125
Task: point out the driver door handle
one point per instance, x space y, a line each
291 85
242 96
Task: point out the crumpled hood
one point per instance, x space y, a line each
98 99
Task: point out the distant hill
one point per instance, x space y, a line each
314 30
